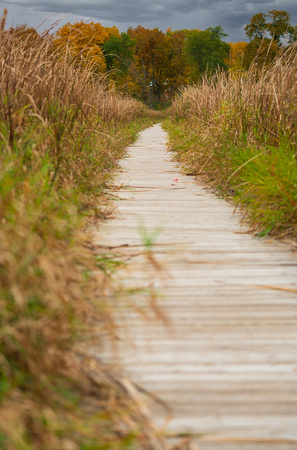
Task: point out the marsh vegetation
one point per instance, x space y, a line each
64 124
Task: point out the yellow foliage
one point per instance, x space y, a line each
84 41
236 54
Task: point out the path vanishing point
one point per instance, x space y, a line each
227 367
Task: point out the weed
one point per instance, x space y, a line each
148 239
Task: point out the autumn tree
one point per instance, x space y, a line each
236 55
84 42
152 51
177 70
273 25
260 52
268 33
257 28
24 32
279 25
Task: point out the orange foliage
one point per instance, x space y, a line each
151 60
84 41
159 68
236 55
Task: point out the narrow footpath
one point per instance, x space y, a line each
227 366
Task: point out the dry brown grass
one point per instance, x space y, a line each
39 85
262 100
62 133
239 132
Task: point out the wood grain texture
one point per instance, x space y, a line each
227 366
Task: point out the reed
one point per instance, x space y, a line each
238 131
62 132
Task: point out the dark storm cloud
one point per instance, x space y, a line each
232 15
118 11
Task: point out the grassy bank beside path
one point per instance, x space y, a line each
238 133
61 135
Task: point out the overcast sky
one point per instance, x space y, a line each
232 15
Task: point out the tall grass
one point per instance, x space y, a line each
239 131
62 133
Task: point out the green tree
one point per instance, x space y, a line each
293 34
207 51
275 25
119 54
217 33
267 34
279 25
257 28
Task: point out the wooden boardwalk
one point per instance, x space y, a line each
228 367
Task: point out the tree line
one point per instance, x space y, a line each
153 65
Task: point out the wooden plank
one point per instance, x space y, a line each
227 366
